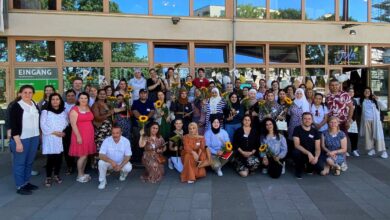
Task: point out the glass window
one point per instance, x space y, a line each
129 52
3 87
35 4
286 9
171 7
35 51
127 72
315 54
284 54
357 10
379 85
251 9
316 76
380 11
320 10
210 54
80 51
71 72
252 74
3 50
209 8
285 76
129 6
170 54
249 54
183 71
343 55
211 72
380 55
82 5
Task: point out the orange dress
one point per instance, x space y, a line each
191 172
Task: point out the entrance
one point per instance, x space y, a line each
358 80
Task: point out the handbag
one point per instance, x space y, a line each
161 159
282 125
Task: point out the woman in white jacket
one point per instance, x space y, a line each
370 124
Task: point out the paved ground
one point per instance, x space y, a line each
363 192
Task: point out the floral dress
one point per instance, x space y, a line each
154 171
122 119
295 113
334 143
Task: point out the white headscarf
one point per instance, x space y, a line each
302 102
214 101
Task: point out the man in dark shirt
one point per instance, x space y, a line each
307 150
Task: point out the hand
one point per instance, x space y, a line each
117 168
311 157
19 147
314 161
79 140
196 156
276 158
265 161
280 118
375 97
219 153
142 132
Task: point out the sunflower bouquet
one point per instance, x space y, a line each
263 107
129 89
188 85
142 120
265 150
177 141
246 103
227 150
288 101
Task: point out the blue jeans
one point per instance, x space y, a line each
22 162
231 128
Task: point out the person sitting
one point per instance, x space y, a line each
307 142
334 145
216 138
114 154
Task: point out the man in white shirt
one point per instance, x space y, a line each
114 154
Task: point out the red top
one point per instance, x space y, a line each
338 105
199 83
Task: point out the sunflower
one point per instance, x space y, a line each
261 102
228 146
203 88
189 84
90 78
127 96
263 148
158 104
288 101
111 98
143 118
129 89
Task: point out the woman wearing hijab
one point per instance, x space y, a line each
233 113
296 110
216 138
214 107
182 109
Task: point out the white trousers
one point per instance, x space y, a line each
104 166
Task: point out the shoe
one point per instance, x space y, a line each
355 153
30 186
170 164
384 155
190 181
23 191
284 168
264 171
347 154
298 175
34 173
122 176
219 172
102 184
83 179
344 166
371 152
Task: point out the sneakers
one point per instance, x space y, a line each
34 173
344 166
298 175
284 167
384 155
122 176
355 153
170 164
30 187
264 171
102 184
83 179
219 172
190 181
23 191
371 152
347 154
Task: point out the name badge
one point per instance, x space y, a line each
186 108
197 144
201 80
238 112
245 135
148 109
153 146
311 136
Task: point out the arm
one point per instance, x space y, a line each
136 114
107 159
142 141
298 146
97 114
317 149
283 150
73 122
323 144
343 146
44 125
154 86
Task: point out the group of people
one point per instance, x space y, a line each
189 124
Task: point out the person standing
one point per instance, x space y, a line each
70 101
53 122
201 81
154 85
82 142
137 83
214 107
319 112
24 139
353 131
48 90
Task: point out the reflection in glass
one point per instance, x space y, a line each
316 76
71 72
249 54
315 54
129 52
81 51
379 85
215 72
357 10
380 55
343 55
286 9
171 7
170 54
251 9
35 51
183 72
285 76
127 72
3 87
35 4
252 74
380 11
129 6
209 8
3 50
320 10
82 5
284 54
210 54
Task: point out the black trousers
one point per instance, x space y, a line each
301 160
70 161
274 168
353 137
53 163
136 150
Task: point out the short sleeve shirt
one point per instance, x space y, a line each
307 138
116 151
338 105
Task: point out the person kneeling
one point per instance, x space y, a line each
114 154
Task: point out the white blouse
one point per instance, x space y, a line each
30 122
51 122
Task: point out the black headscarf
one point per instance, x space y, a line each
212 119
236 105
50 107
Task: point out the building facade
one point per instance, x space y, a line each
292 41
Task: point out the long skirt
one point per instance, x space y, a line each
154 171
102 132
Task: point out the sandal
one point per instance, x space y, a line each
57 179
69 171
337 170
48 182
